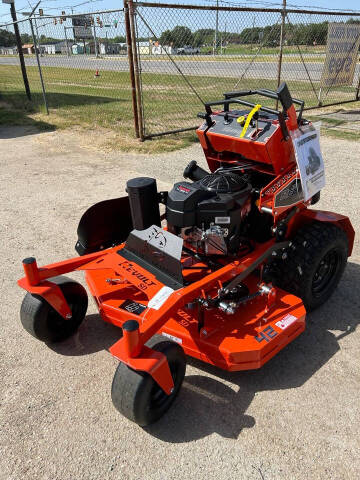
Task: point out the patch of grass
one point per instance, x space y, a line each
251 49
238 58
102 107
333 127
342 134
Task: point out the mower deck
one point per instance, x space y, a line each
243 341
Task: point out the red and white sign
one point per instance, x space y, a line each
286 321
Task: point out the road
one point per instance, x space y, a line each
297 418
230 68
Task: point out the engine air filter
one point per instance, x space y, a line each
223 183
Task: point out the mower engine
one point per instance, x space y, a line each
210 213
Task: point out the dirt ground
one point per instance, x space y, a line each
296 418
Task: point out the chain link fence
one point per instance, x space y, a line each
84 65
153 65
197 53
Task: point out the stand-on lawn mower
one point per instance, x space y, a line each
227 279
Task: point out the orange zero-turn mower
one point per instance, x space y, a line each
225 275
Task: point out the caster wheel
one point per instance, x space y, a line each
46 324
138 397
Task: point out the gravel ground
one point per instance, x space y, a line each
296 418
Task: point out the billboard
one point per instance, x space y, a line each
341 54
82 27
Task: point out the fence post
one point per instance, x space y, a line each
282 33
39 66
20 52
357 90
131 68
136 68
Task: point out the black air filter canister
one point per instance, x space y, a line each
144 203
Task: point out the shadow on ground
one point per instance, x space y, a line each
54 100
15 110
17 123
206 404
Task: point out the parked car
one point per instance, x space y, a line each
188 50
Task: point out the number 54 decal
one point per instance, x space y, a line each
267 334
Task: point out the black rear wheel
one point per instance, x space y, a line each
315 263
44 323
138 397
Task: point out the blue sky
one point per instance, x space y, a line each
53 7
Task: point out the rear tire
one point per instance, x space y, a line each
138 397
43 322
315 263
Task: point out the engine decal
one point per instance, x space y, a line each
222 220
183 189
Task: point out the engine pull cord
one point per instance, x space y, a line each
248 119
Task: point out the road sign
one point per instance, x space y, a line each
341 54
8 1
81 27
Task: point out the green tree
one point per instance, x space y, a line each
7 39
178 36
25 38
203 36
120 39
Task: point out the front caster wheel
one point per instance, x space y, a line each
138 397
46 324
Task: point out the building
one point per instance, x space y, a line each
158 49
108 48
63 47
77 48
8 51
144 48
28 48
49 48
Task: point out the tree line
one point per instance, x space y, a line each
296 34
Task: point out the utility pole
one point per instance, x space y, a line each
253 33
66 40
37 36
19 48
95 41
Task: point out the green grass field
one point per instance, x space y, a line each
78 100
